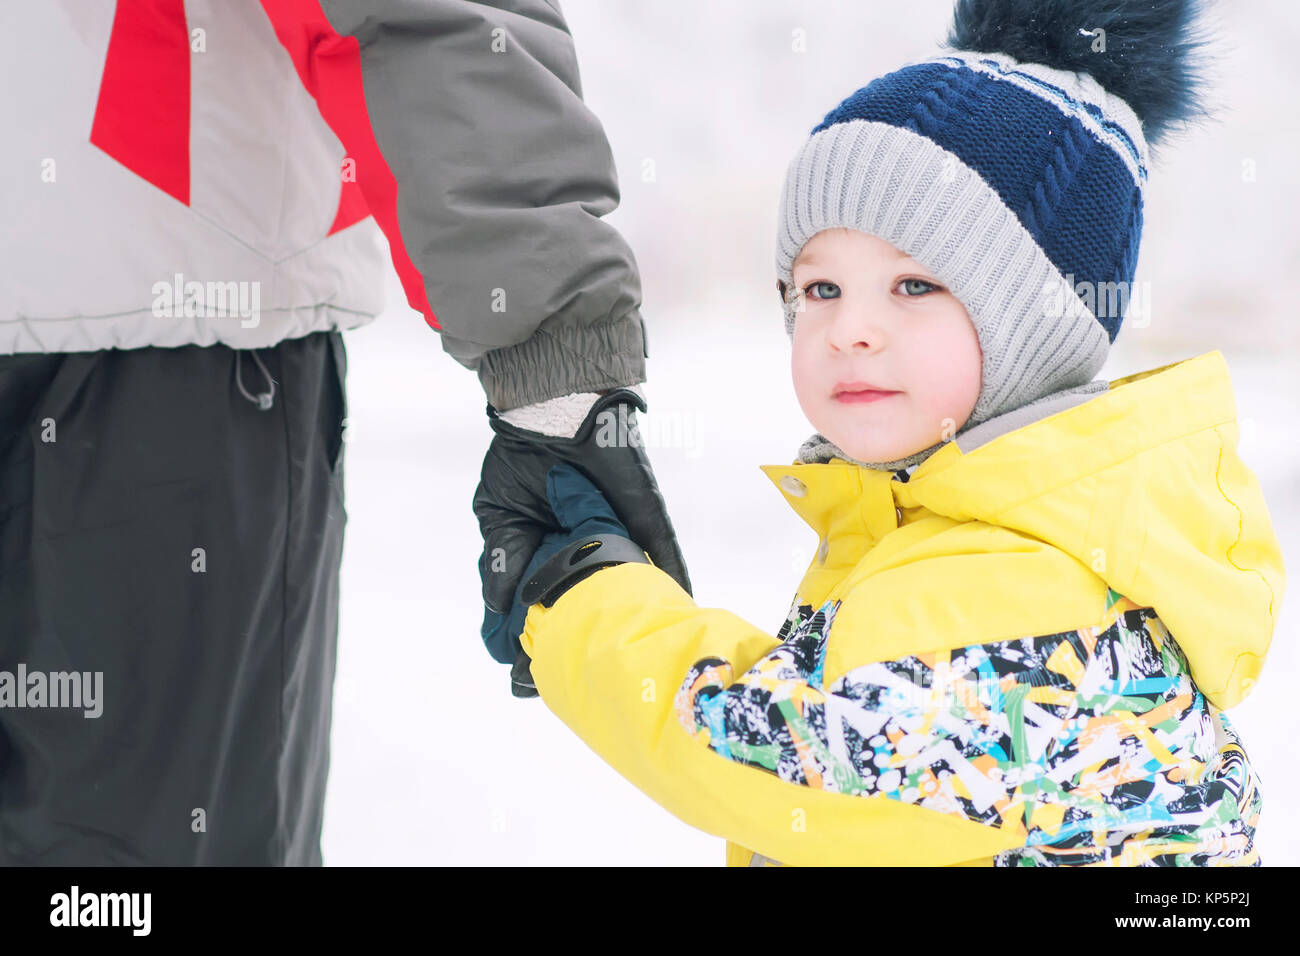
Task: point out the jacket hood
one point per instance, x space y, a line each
1142 483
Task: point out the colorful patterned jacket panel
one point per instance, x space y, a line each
1093 747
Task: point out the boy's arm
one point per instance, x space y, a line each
1082 745
610 658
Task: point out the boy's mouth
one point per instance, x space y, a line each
854 393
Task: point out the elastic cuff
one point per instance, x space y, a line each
566 359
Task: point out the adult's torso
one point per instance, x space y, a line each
168 180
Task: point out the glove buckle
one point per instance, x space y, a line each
576 561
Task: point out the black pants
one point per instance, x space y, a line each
158 528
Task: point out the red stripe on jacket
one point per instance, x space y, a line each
329 66
142 116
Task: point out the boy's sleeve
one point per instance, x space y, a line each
621 658
488 174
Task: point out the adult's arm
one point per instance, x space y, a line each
479 160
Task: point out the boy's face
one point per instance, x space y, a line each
873 315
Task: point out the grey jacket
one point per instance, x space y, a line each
239 187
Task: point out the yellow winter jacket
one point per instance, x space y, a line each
1018 656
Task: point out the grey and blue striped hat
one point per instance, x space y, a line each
1013 166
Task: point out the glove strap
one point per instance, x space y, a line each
576 561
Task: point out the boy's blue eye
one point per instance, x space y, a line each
913 283
823 290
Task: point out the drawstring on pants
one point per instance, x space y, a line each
262 400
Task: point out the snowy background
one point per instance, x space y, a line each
704 103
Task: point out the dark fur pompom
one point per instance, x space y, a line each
1147 55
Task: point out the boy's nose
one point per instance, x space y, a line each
855 329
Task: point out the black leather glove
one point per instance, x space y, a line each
585 518
514 513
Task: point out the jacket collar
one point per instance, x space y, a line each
1007 457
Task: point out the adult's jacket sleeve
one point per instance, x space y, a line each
609 658
489 175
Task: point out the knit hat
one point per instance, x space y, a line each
1012 166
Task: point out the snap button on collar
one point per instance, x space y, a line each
793 486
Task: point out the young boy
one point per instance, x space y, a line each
1034 593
